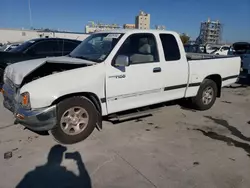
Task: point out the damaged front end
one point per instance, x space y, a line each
19 74
42 119
49 69
26 71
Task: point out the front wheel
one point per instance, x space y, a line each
206 95
76 120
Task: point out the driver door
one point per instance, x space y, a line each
140 83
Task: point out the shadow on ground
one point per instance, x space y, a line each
234 131
53 175
242 83
40 133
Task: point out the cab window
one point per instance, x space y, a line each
140 48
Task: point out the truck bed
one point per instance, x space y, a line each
201 56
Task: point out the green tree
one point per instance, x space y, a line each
184 38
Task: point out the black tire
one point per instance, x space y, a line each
66 104
198 102
1 77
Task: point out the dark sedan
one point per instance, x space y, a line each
36 48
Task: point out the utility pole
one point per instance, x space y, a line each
30 14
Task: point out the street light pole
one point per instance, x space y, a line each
30 14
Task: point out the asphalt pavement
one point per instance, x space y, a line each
175 147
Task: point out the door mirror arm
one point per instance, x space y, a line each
122 61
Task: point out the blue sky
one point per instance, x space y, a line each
178 15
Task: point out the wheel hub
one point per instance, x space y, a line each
74 120
207 95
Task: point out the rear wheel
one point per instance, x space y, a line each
76 120
206 96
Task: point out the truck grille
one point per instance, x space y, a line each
10 95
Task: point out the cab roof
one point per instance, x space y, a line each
131 31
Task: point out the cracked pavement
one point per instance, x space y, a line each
175 147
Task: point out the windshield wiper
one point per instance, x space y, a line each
81 57
84 58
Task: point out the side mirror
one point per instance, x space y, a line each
122 61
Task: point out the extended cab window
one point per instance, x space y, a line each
140 48
170 47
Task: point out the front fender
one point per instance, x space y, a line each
45 90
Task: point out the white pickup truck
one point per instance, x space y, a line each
110 72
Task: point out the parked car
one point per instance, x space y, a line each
111 72
210 49
242 49
36 48
246 65
239 48
193 48
223 50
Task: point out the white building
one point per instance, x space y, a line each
142 21
129 26
21 35
94 27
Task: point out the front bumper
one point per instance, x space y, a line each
41 119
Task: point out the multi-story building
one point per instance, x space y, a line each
210 32
129 26
94 27
142 21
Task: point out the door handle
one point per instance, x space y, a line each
157 69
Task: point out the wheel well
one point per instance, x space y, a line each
217 79
91 96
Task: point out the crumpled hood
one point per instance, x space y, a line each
16 72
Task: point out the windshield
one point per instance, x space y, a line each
22 47
96 47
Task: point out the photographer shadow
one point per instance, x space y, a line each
52 174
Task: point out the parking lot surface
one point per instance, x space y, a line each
175 147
